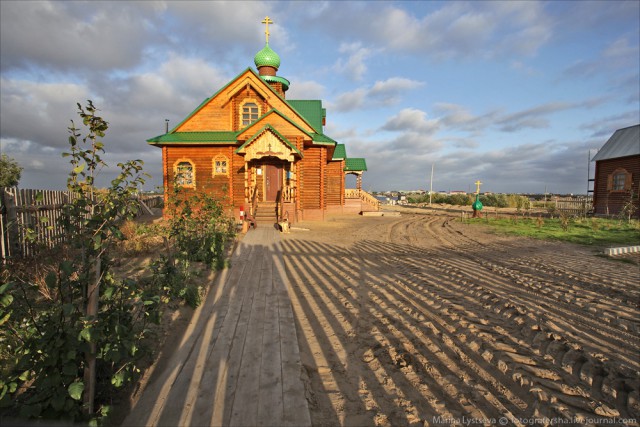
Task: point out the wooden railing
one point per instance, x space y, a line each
279 205
354 193
288 193
351 193
370 200
253 191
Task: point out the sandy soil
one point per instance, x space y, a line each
422 320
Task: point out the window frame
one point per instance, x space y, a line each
176 166
241 112
619 180
214 168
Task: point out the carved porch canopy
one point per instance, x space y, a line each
268 142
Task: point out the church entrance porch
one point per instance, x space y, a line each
271 189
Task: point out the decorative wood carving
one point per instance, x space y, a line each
268 145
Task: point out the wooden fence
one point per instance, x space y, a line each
30 219
574 205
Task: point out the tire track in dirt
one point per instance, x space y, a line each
554 293
631 344
428 324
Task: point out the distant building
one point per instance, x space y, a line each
617 178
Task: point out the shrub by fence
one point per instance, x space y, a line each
29 219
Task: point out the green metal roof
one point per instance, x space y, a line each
267 57
220 137
311 110
319 138
340 152
278 134
355 164
277 79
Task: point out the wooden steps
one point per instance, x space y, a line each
266 214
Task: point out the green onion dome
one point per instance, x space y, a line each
267 58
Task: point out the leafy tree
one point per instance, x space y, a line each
10 171
81 320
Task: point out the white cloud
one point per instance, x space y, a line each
350 101
39 112
454 116
475 29
381 93
71 36
411 119
532 118
305 89
354 65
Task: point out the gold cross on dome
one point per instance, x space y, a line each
266 21
478 186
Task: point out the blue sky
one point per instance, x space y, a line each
514 94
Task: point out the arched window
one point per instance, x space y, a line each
250 113
185 173
619 180
220 166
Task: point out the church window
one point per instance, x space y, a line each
250 113
185 173
220 166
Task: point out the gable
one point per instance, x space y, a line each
268 142
277 120
219 113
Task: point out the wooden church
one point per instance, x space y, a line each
261 154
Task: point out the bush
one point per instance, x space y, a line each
198 227
77 335
494 200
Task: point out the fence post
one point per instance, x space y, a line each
4 251
13 235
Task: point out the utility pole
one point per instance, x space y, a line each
431 185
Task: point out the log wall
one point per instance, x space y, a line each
219 186
334 183
311 179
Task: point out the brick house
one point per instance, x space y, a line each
617 175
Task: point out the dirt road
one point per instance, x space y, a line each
422 320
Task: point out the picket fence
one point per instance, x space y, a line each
579 206
38 212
